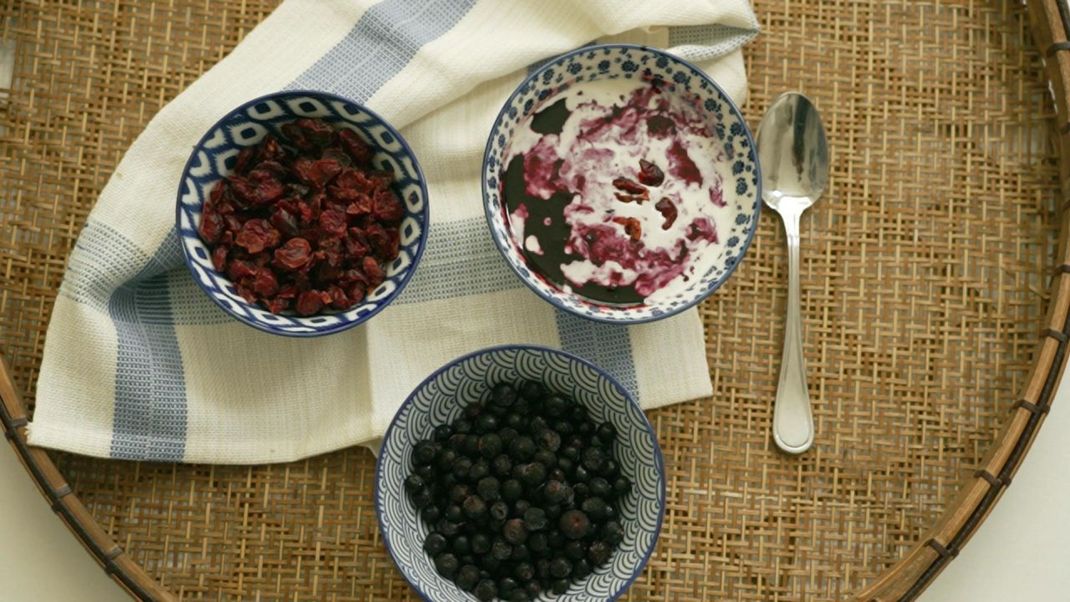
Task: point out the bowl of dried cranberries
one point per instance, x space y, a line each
520 473
302 213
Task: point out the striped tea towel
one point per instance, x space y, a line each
140 364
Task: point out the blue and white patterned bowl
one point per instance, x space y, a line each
678 76
442 397
213 158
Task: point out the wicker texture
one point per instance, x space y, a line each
925 274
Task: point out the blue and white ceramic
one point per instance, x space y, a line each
442 397
678 76
213 158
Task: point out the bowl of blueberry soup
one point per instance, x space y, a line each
621 183
520 473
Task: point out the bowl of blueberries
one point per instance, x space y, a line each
520 473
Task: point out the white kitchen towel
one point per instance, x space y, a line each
140 364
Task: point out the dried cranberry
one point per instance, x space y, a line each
353 275
629 186
326 274
257 235
265 284
332 251
244 191
240 269
318 131
333 222
273 167
277 305
212 225
373 271
337 155
668 212
246 291
270 149
388 206
357 291
245 157
350 185
219 258
295 254
633 192
307 134
363 205
360 152
308 303
316 173
339 300
650 174
233 222
268 187
284 222
376 236
356 245
393 244
632 227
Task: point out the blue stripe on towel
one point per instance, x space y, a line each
150 388
383 41
607 345
463 251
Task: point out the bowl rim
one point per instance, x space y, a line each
345 325
502 247
659 460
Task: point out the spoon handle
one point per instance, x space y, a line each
793 423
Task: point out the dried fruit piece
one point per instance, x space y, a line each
357 149
668 212
629 186
333 222
295 254
316 173
219 258
309 302
212 225
650 174
373 271
265 284
632 227
633 192
256 235
388 206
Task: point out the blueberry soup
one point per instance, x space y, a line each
613 190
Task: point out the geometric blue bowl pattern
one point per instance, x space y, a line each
611 61
214 157
442 397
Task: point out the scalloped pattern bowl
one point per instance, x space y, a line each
742 191
213 158
442 397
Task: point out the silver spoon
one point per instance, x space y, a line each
794 159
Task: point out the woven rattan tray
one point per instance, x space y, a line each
936 327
